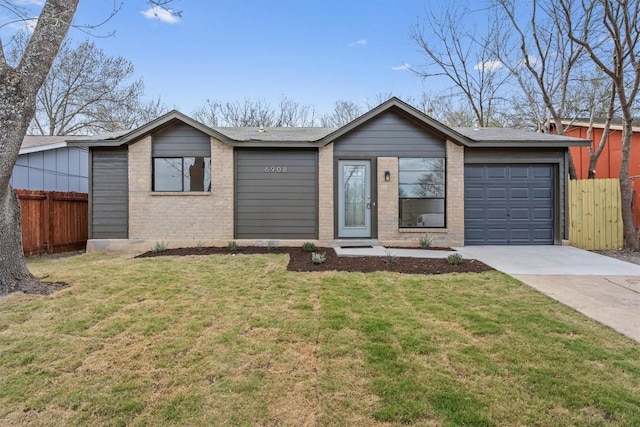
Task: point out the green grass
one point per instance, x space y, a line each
238 340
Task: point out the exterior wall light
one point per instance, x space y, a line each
387 176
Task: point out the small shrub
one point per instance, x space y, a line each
309 246
318 258
426 240
232 246
199 246
271 244
159 247
390 257
454 259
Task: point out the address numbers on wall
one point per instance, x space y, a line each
275 169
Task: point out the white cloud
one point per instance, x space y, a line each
27 24
161 14
361 42
488 66
403 67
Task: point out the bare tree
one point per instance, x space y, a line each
253 113
19 86
343 113
612 43
85 92
455 50
291 113
531 41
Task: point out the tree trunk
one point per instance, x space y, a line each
18 88
16 276
626 192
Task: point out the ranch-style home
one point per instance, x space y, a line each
391 175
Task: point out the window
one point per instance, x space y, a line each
182 174
421 183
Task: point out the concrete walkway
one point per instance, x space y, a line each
602 288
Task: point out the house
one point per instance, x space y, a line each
392 175
49 163
608 165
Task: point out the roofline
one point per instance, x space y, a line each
394 102
43 147
585 124
531 143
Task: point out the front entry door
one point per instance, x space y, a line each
354 198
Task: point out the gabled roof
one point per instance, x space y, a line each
318 136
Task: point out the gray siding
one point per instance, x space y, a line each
532 156
61 169
181 140
109 196
276 205
390 135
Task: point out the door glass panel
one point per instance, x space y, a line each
354 195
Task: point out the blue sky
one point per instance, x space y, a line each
315 52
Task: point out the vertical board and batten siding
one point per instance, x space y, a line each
62 169
271 203
181 140
109 200
390 135
515 156
595 209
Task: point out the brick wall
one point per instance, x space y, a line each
388 231
201 216
325 193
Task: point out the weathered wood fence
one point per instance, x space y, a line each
53 221
595 214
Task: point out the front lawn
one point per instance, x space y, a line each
239 340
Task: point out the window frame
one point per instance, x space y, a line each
443 198
182 180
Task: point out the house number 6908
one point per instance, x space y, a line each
275 169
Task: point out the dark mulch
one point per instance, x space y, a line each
300 260
36 287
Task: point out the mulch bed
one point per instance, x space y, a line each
300 260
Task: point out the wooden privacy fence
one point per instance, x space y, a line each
595 214
53 221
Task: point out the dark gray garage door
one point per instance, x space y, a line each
508 204
276 194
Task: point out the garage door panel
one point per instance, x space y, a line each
496 194
520 193
495 172
509 204
545 214
519 172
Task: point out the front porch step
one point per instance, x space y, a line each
355 243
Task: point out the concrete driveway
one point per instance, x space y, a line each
603 288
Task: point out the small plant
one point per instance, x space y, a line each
232 246
159 247
426 240
318 258
309 246
390 257
271 244
454 259
199 246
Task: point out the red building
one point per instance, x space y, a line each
608 165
